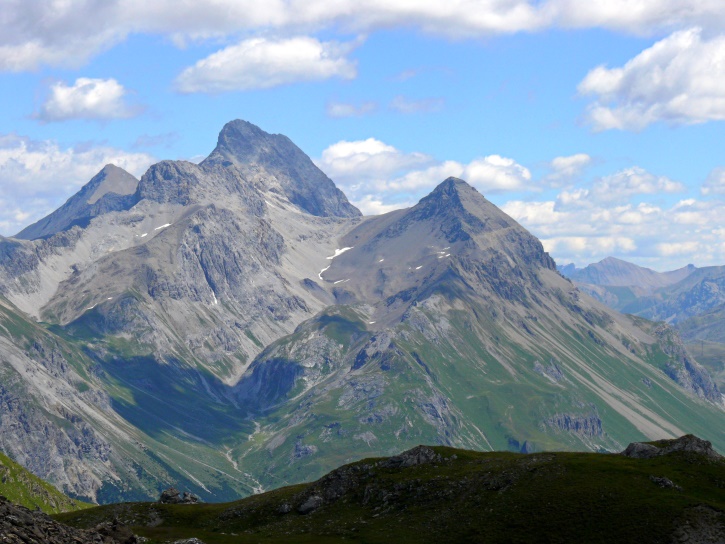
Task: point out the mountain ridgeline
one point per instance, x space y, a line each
236 325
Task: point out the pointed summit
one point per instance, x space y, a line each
247 147
109 190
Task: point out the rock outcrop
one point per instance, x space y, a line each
174 496
688 443
20 525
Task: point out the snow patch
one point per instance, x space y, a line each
91 307
163 226
341 281
381 260
419 267
321 271
144 234
371 322
215 300
339 252
109 298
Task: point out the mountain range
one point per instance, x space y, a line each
237 325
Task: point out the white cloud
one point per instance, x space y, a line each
496 174
373 205
565 169
69 32
678 248
679 80
584 230
367 164
37 176
621 185
260 63
86 99
339 110
715 182
366 167
402 104
636 16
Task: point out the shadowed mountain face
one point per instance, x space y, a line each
237 325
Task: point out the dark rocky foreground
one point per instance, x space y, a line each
674 493
20 525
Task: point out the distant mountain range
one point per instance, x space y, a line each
237 325
691 299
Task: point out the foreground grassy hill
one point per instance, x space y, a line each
23 488
442 494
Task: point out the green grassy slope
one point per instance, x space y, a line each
460 496
21 487
463 379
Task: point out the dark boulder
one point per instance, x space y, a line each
174 496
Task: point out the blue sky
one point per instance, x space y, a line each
597 125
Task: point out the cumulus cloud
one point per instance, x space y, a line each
37 176
339 110
565 169
622 185
679 80
370 166
87 98
260 63
584 230
68 33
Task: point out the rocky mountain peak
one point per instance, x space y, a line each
107 191
460 206
111 179
248 148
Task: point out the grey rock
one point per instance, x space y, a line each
420 455
311 504
687 443
589 425
683 369
18 524
641 450
174 496
664 483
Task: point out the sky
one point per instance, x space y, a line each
596 125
